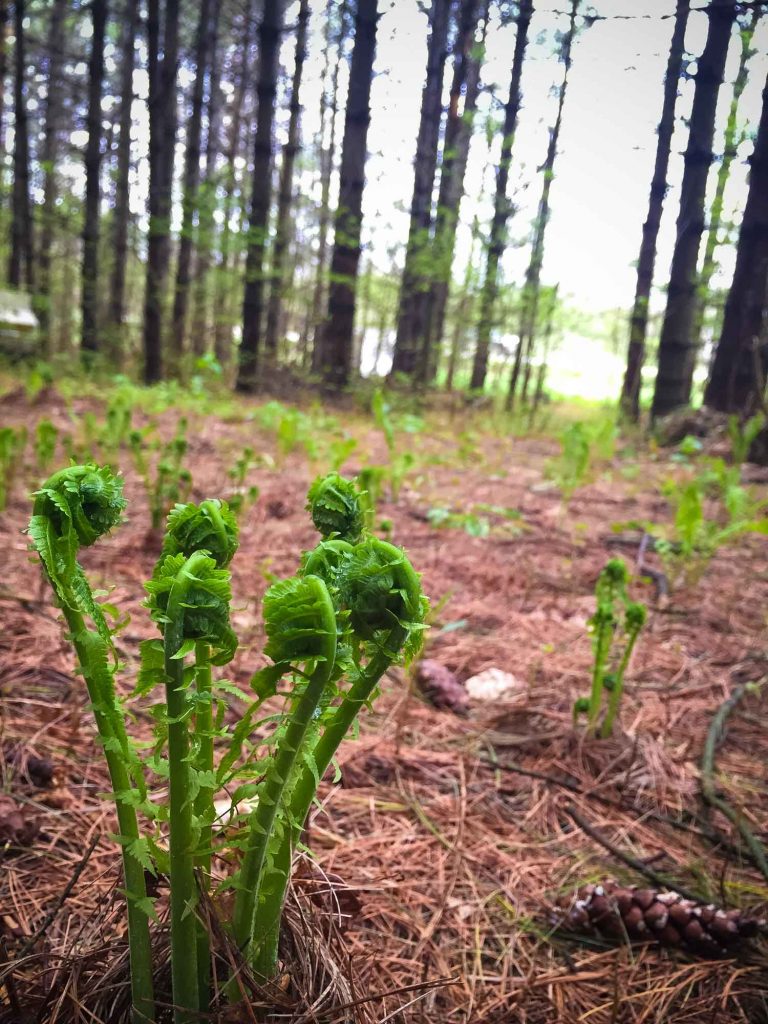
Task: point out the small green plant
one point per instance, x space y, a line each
12 445
170 481
474 525
46 436
354 608
615 627
400 463
244 496
742 435
570 470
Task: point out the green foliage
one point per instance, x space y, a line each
615 627
474 525
168 481
12 445
400 462
46 436
354 608
570 471
743 434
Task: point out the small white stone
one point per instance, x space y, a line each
493 684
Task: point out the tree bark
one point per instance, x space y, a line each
285 190
415 280
4 18
207 198
253 298
337 338
530 296
731 141
735 385
21 261
677 349
122 214
638 324
190 186
162 145
458 134
502 207
222 299
328 109
89 342
48 159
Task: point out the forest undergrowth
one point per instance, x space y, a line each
442 855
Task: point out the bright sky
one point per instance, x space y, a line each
607 148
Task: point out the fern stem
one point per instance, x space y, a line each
204 806
270 907
184 927
101 692
614 700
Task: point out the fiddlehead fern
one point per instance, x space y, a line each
335 505
74 508
300 620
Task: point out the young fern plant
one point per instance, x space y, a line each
615 627
360 603
189 598
73 509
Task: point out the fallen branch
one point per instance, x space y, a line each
708 785
632 862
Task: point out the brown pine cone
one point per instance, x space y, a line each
617 911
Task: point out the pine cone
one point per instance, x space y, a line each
626 912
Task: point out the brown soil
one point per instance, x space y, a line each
448 872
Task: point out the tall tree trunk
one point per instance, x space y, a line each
253 298
530 296
4 18
222 299
162 146
731 141
122 214
677 349
638 325
458 134
541 375
337 344
501 204
463 309
285 190
49 161
414 285
328 108
190 197
207 198
735 385
21 262
90 281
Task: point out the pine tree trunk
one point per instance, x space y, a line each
162 145
207 197
530 296
48 159
253 298
285 190
677 349
501 204
122 214
223 314
731 141
337 343
737 380
190 187
21 261
458 134
327 159
411 319
4 19
89 342
638 325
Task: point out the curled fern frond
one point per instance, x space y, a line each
325 560
209 526
201 595
300 621
85 500
380 588
336 507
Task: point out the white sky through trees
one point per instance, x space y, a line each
603 170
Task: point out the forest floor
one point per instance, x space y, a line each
446 872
